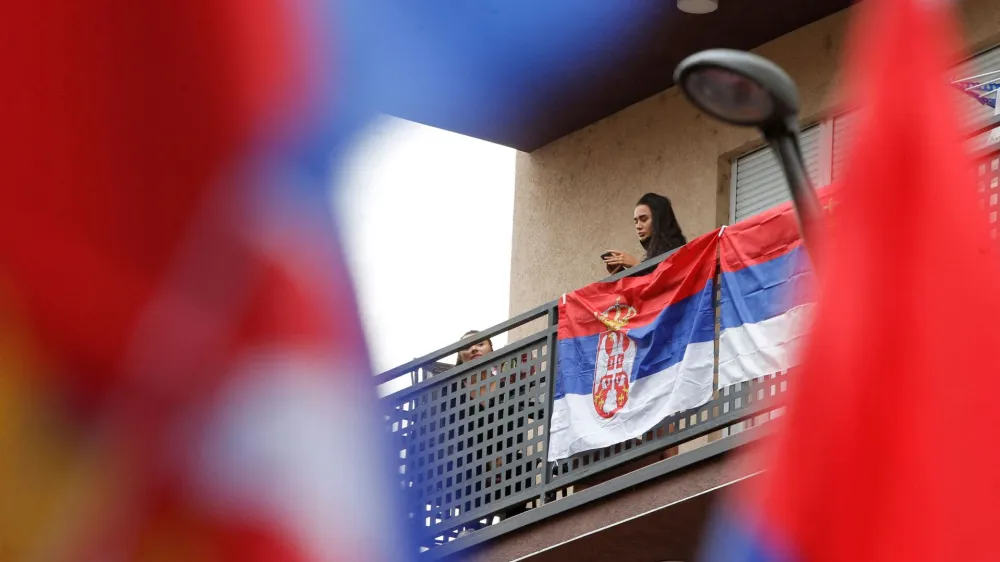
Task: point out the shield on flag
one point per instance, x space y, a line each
613 372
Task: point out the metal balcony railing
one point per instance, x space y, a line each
471 439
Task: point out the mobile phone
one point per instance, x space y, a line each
606 255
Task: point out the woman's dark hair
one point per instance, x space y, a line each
465 335
666 233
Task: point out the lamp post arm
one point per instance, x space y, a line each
807 207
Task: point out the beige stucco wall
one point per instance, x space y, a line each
574 197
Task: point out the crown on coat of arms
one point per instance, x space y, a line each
617 315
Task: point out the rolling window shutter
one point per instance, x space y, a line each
972 112
760 183
844 127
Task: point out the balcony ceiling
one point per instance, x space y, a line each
523 73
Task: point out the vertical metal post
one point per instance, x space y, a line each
733 180
552 343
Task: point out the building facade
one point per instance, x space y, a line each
472 438
574 197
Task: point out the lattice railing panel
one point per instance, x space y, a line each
472 444
727 406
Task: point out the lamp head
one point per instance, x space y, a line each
740 88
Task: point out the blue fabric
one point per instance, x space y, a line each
766 289
660 344
729 539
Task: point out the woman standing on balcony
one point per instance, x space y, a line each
475 350
657 228
492 373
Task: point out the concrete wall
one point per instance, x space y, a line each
574 197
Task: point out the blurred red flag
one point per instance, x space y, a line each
887 449
182 372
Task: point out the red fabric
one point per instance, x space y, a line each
118 118
760 239
683 274
124 125
174 529
776 229
888 449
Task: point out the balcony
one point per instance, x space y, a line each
472 441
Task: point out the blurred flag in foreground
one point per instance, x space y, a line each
182 375
886 452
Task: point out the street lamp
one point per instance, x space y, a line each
744 89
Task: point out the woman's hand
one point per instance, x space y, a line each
617 261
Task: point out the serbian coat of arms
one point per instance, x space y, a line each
615 356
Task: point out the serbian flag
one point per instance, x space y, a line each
766 297
887 448
634 351
182 372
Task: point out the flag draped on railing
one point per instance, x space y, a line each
634 351
766 296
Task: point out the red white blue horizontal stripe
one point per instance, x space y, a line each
765 297
669 361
